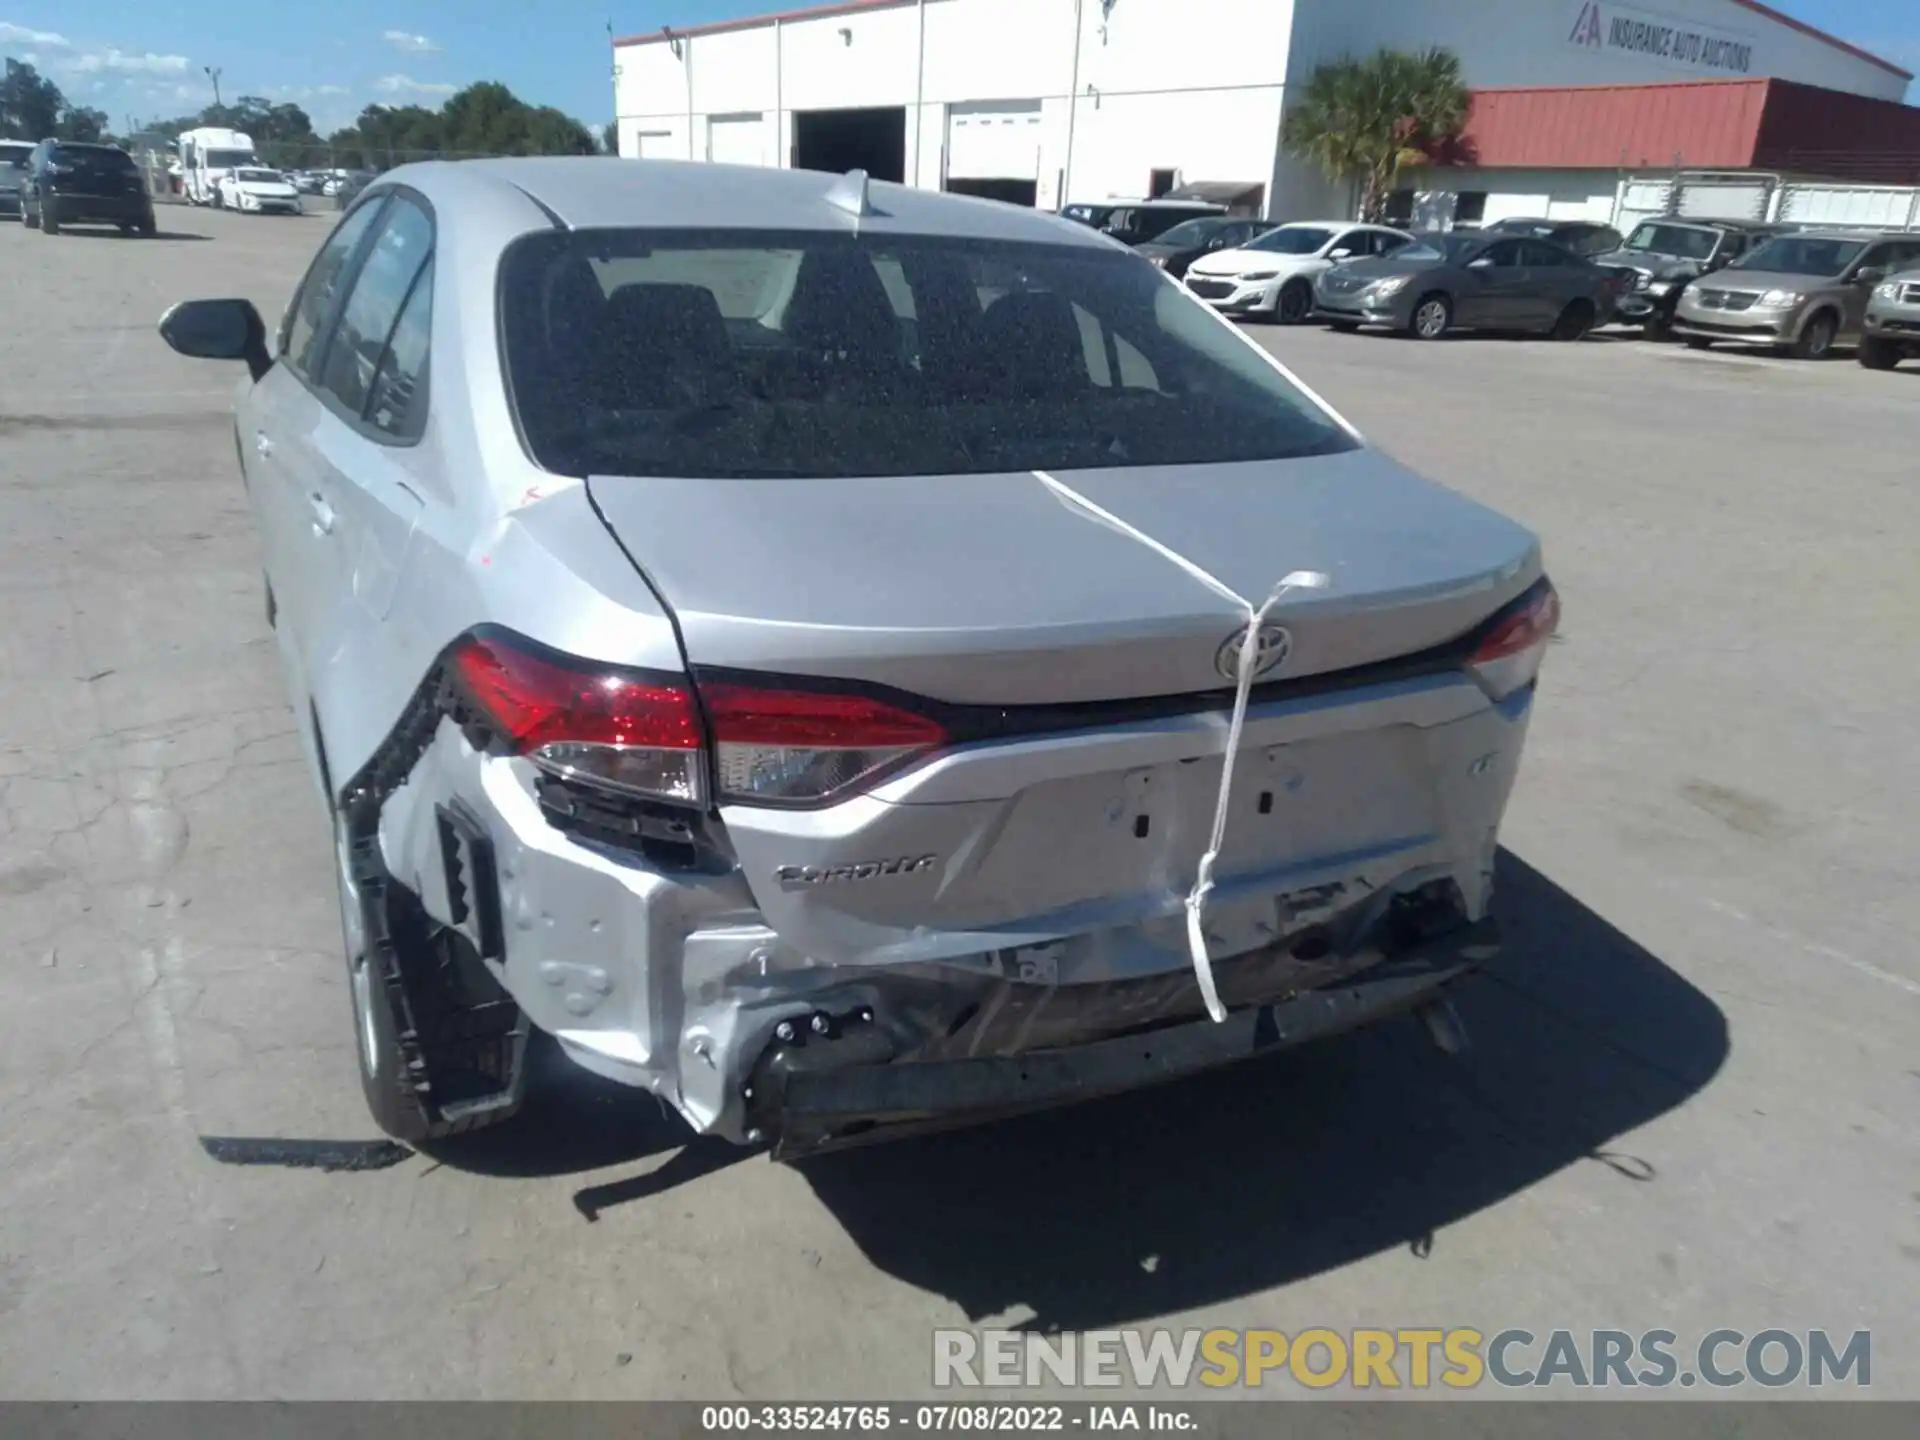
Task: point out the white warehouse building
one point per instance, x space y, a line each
1047 102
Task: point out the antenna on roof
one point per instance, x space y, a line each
849 193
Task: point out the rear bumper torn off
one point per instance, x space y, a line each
829 1109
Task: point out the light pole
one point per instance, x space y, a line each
213 74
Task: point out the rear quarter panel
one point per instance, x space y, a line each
496 540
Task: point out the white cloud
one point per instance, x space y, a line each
21 35
304 92
406 84
412 44
125 63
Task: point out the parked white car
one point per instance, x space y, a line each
1273 276
258 190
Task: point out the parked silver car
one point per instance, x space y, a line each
1801 294
849 659
1893 323
1470 281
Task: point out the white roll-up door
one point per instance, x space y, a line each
994 140
660 145
737 140
1724 200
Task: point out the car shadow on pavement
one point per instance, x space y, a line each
573 1122
1280 1169
109 232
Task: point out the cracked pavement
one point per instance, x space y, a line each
1690 1101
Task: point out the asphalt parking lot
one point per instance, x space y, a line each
1690 1104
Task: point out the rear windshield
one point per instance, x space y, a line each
94 157
731 354
1450 247
273 176
1801 255
1684 242
1193 232
1291 240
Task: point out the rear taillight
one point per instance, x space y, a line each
642 734
797 747
625 730
1509 656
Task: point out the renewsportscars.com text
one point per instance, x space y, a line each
1414 1359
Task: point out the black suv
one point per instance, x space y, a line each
67 183
1665 255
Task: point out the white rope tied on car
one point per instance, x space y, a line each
1242 691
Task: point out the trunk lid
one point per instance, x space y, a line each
991 592
989 589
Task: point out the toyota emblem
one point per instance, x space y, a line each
1275 645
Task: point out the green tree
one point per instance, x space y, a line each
1367 120
484 119
30 104
83 123
610 137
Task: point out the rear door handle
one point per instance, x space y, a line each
322 513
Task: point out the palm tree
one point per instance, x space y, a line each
1367 120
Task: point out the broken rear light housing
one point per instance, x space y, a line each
799 747
630 731
646 734
1508 656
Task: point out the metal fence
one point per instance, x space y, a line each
1709 195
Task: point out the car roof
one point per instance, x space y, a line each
1861 235
589 192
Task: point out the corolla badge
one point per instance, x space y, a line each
1270 653
802 877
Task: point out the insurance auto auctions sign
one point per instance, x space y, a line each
1603 26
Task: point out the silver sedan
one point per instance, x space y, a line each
851 659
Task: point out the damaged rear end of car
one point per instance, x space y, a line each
889 812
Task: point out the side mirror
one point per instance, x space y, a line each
1485 262
1343 253
219 330
1871 275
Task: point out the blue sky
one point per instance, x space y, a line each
146 58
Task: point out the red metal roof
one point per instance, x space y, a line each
1697 125
1825 132
1706 124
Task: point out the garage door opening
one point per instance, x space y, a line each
841 140
1014 192
993 149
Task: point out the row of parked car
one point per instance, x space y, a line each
1800 292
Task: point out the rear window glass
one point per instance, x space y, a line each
1449 247
1684 242
93 157
735 354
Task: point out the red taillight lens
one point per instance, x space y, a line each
578 719
796 747
1510 655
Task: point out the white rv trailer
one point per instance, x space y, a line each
207 156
